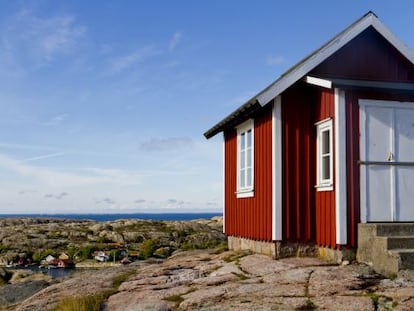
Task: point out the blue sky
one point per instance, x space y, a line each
104 103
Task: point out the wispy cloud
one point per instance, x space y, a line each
108 201
56 119
174 41
130 60
140 201
58 196
41 38
48 176
7 145
166 144
45 156
275 60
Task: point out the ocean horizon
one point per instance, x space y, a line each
117 216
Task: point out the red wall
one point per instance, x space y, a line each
368 57
298 156
325 200
251 217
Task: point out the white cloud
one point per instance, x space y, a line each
174 41
275 60
45 156
108 201
166 144
41 38
130 60
58 196
56 119
47 176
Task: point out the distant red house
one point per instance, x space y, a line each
328 145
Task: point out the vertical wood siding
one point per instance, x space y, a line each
309 215
325 200
251 217
369 56
298 156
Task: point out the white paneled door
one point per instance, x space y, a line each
387 161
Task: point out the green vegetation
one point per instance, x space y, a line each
39 256
4 248
86 252
148 248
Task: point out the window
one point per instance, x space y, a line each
324 155
245 159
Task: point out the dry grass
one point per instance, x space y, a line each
86 303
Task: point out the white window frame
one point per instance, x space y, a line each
245 191
324 184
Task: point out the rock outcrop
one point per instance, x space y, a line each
35 237
204 280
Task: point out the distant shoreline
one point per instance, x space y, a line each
118 216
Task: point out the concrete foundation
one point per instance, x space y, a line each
388 247
278 249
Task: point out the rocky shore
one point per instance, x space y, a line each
27 240
205 280
210 278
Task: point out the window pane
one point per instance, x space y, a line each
326 168
242 141
325 142
242 160
249 158
242 179
249 177
249 138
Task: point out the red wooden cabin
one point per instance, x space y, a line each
326 146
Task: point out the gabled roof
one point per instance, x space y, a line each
298 71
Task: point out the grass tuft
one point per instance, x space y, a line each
308 306
241 276
121 278
174 298
86 303
236 256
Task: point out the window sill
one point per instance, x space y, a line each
324 187
245 193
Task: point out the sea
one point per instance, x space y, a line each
112 217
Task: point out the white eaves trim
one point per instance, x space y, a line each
330 48
318 82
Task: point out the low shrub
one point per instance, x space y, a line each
148 248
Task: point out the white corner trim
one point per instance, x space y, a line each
224 182
363 168
340 168
277 170
318 82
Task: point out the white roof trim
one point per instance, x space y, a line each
330 48
318 82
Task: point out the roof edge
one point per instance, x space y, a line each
298 71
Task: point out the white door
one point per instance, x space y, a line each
387 161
